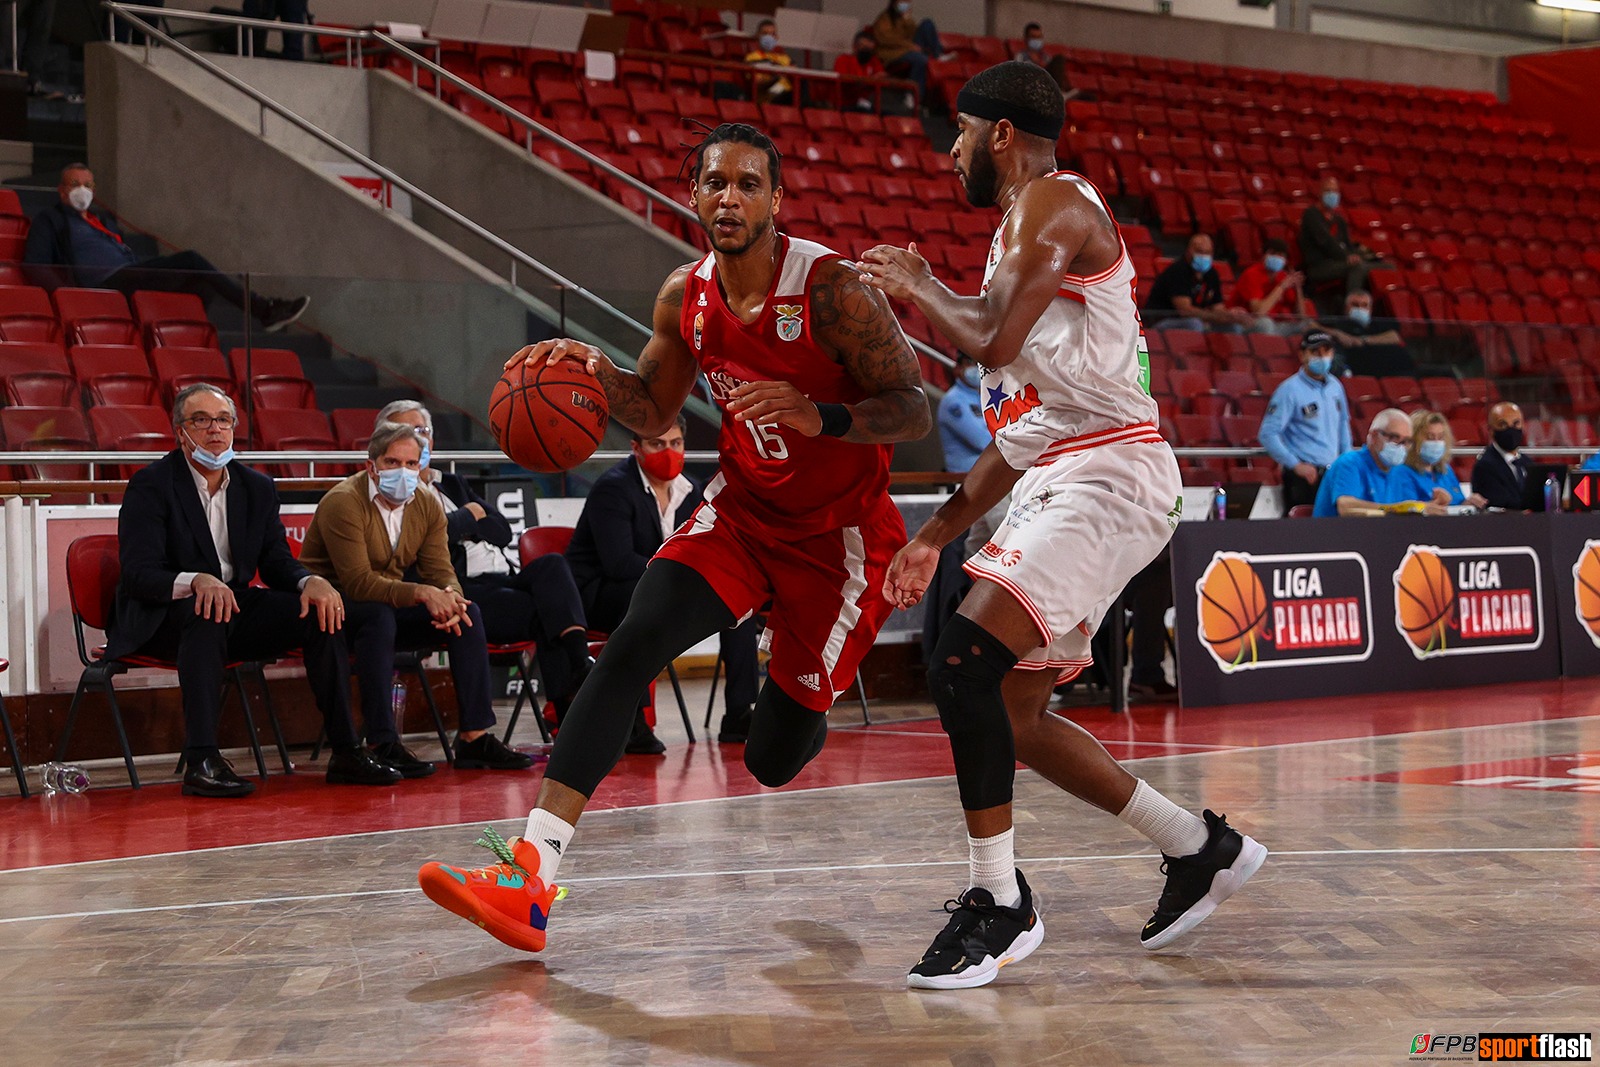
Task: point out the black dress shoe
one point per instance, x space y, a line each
357 766
643 741
735 727
489 753
213 777
1155 691
401 759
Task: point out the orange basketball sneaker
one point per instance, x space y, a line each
507 898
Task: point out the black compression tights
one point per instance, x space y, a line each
673 609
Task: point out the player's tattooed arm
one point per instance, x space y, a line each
645 400
855 320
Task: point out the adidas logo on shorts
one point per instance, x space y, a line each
812 682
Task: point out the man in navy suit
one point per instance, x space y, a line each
195 527
630 511
1500 475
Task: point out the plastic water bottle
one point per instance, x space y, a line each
397 698
1552 495
63 778
1219 502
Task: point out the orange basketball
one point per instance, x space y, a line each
1586 580
1233 609
1424 598
550 418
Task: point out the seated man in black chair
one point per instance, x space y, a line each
538 602
195 527
631 510
383 545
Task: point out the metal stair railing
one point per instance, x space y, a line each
134 14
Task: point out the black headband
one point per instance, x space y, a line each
1025 119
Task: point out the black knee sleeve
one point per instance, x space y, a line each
785 735
968 667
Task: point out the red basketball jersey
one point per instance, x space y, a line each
774 476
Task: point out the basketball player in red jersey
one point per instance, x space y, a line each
1095 495
816 380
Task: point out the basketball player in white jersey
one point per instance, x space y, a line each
1095 495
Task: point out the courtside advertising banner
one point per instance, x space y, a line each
1575 564
1302 608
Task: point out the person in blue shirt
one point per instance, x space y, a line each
1307 424
962 429
1359 479
1426 474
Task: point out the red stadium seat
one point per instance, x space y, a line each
257 363
26 315
297 429
96 317
174 320
112 424
179 367
282 393
353 424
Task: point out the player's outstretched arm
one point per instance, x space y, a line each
988 482
1044 233
646 401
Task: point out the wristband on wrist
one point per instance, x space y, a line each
836 419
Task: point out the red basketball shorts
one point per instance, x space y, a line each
826 591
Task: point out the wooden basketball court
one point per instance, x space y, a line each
1434 870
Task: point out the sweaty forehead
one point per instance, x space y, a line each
730 159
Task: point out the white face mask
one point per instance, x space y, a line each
80 197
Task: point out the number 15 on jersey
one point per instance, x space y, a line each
769 443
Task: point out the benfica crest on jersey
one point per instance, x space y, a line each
788 320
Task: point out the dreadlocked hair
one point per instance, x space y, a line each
735 133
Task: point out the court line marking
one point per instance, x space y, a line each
868 731
757 872
791 793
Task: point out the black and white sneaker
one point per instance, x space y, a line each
1197 884
980 938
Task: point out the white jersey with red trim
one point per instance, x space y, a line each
1082 378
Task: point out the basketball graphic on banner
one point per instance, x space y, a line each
1424 597
1586 584
1233 610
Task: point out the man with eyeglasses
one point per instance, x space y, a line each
195 527
1358 481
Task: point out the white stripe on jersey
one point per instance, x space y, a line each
1084 368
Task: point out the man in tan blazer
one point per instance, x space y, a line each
383 546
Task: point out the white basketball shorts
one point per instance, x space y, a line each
1078 530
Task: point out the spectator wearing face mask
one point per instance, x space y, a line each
905 45
89 248
1270 291
1033 51
1326 249
1358 481
1188 294
963 431
1426 474
1368 345
769 88
1501 472
857 70
384 546
1307 424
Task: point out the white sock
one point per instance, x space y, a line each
550 836
1175 832
994 867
